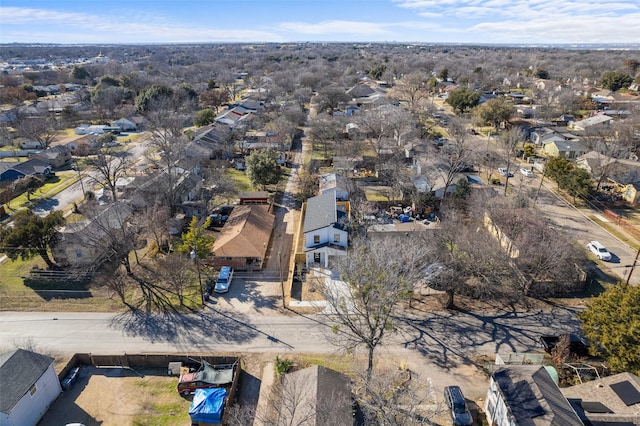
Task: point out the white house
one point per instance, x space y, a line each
333 182
596 120
29 386
325 229
527 395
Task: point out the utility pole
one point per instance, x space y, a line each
281 279
544 172
194 256
633 266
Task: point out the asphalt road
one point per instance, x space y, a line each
87 182
441 336
578 226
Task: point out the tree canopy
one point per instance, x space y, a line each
575 180
614 80
462 99
611 322
204 117
31 235
197 239
494 112
262 167
150 94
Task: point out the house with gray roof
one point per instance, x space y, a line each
336 183
322 397
325 229
29 385
55 156
31 167
612 400
89 243
527 395
593 121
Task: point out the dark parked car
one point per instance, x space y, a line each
460 414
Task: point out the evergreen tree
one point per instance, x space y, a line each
611 322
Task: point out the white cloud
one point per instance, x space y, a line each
104 28
335 27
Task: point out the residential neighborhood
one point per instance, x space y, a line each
319 234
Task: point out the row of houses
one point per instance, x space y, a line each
517 394
528 395
39 163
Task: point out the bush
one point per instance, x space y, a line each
282 366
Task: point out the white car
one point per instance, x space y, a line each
504 172
599 250
527 172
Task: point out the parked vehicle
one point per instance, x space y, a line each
527 173
578 345
206 376
599 250
504 172
224 280
460 414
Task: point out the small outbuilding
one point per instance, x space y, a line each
28 386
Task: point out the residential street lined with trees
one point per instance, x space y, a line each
455 229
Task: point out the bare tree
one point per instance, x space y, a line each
471 259
540 255
456 155
167 136
42 129
155 221
395 397
119 283
111 231
111 165
412 88
508 143
377 279
295 400
178 275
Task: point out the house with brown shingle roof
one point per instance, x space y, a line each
611 400
244 238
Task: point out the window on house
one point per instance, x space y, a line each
316 239
33 390
336 238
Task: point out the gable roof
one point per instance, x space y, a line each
592 121
246 232
568 145
19 370
600 391
321 212
91 231
33 166
54 151
361 90
533 398
333 181
324 394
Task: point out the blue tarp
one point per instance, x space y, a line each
207 405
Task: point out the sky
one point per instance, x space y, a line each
279 21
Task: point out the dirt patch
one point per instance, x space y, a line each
118 396
121 396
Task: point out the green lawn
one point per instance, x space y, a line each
50 188
240 178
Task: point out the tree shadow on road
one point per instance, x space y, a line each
451 337
189 330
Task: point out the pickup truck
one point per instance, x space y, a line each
578 345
